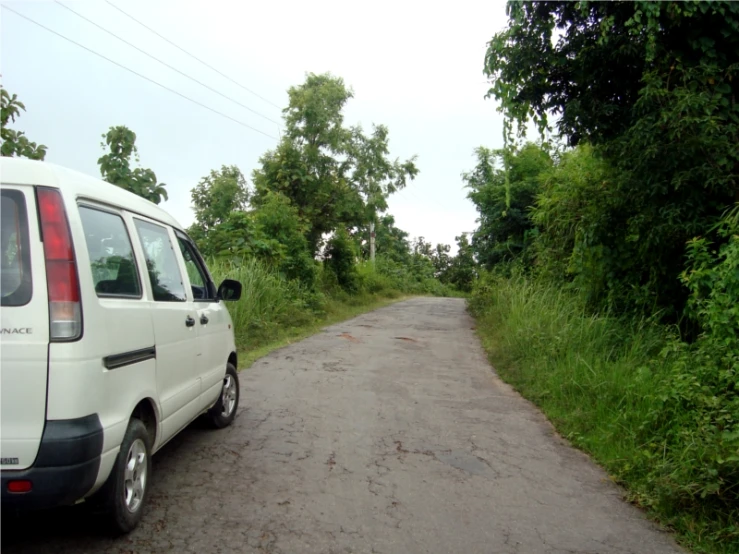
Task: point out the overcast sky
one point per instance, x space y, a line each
413 67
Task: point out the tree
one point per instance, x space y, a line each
390 241
461 272
225 225
236 236
422 248
575 211
442 261
278 222
504 200
420 263
335 176
592 76
115 167
341 257
373 174
653 87
217 195
15 143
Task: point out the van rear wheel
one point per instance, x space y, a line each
124 493
223 411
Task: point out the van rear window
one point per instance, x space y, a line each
16 285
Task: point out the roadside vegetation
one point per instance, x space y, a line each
297 234
609 251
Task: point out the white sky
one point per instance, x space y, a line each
413 67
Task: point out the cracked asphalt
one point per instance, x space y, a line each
388 433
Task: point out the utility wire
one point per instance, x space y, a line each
408 193
111 33
136 73
193 56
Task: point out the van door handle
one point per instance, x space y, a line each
189 322
203 319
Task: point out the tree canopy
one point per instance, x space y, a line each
503 199
115 166
15 143
217 195
336 176
587 62
652 86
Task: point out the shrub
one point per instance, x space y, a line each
341 256
661 415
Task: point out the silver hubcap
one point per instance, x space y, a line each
134 481
228 396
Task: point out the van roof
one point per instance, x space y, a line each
19 171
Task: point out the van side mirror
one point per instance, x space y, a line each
229 290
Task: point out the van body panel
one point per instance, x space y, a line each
177 378
107 460
24 342
214 325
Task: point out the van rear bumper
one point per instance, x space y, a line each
52 486
65 469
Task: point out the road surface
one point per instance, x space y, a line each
389 433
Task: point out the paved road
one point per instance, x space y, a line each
389 433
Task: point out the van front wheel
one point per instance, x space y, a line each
123 495
223 411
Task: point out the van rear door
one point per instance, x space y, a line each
24 339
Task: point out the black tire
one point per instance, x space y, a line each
218 415
119 516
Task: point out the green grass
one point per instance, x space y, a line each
601 380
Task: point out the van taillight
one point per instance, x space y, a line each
18 486
65 315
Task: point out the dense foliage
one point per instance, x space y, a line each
334 175
218 195
115 166
503 195
632 225
15 143
653 87
314 197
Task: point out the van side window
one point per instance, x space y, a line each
112 262
199 281
15 253
161 263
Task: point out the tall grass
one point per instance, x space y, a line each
268 301
588 371
605 383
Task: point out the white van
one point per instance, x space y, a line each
114 338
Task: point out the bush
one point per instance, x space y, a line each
268 300
370 280
692 433
341 256
279 222
416 277
661 415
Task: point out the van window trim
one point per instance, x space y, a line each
25 225
135 214
119 214
203 267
